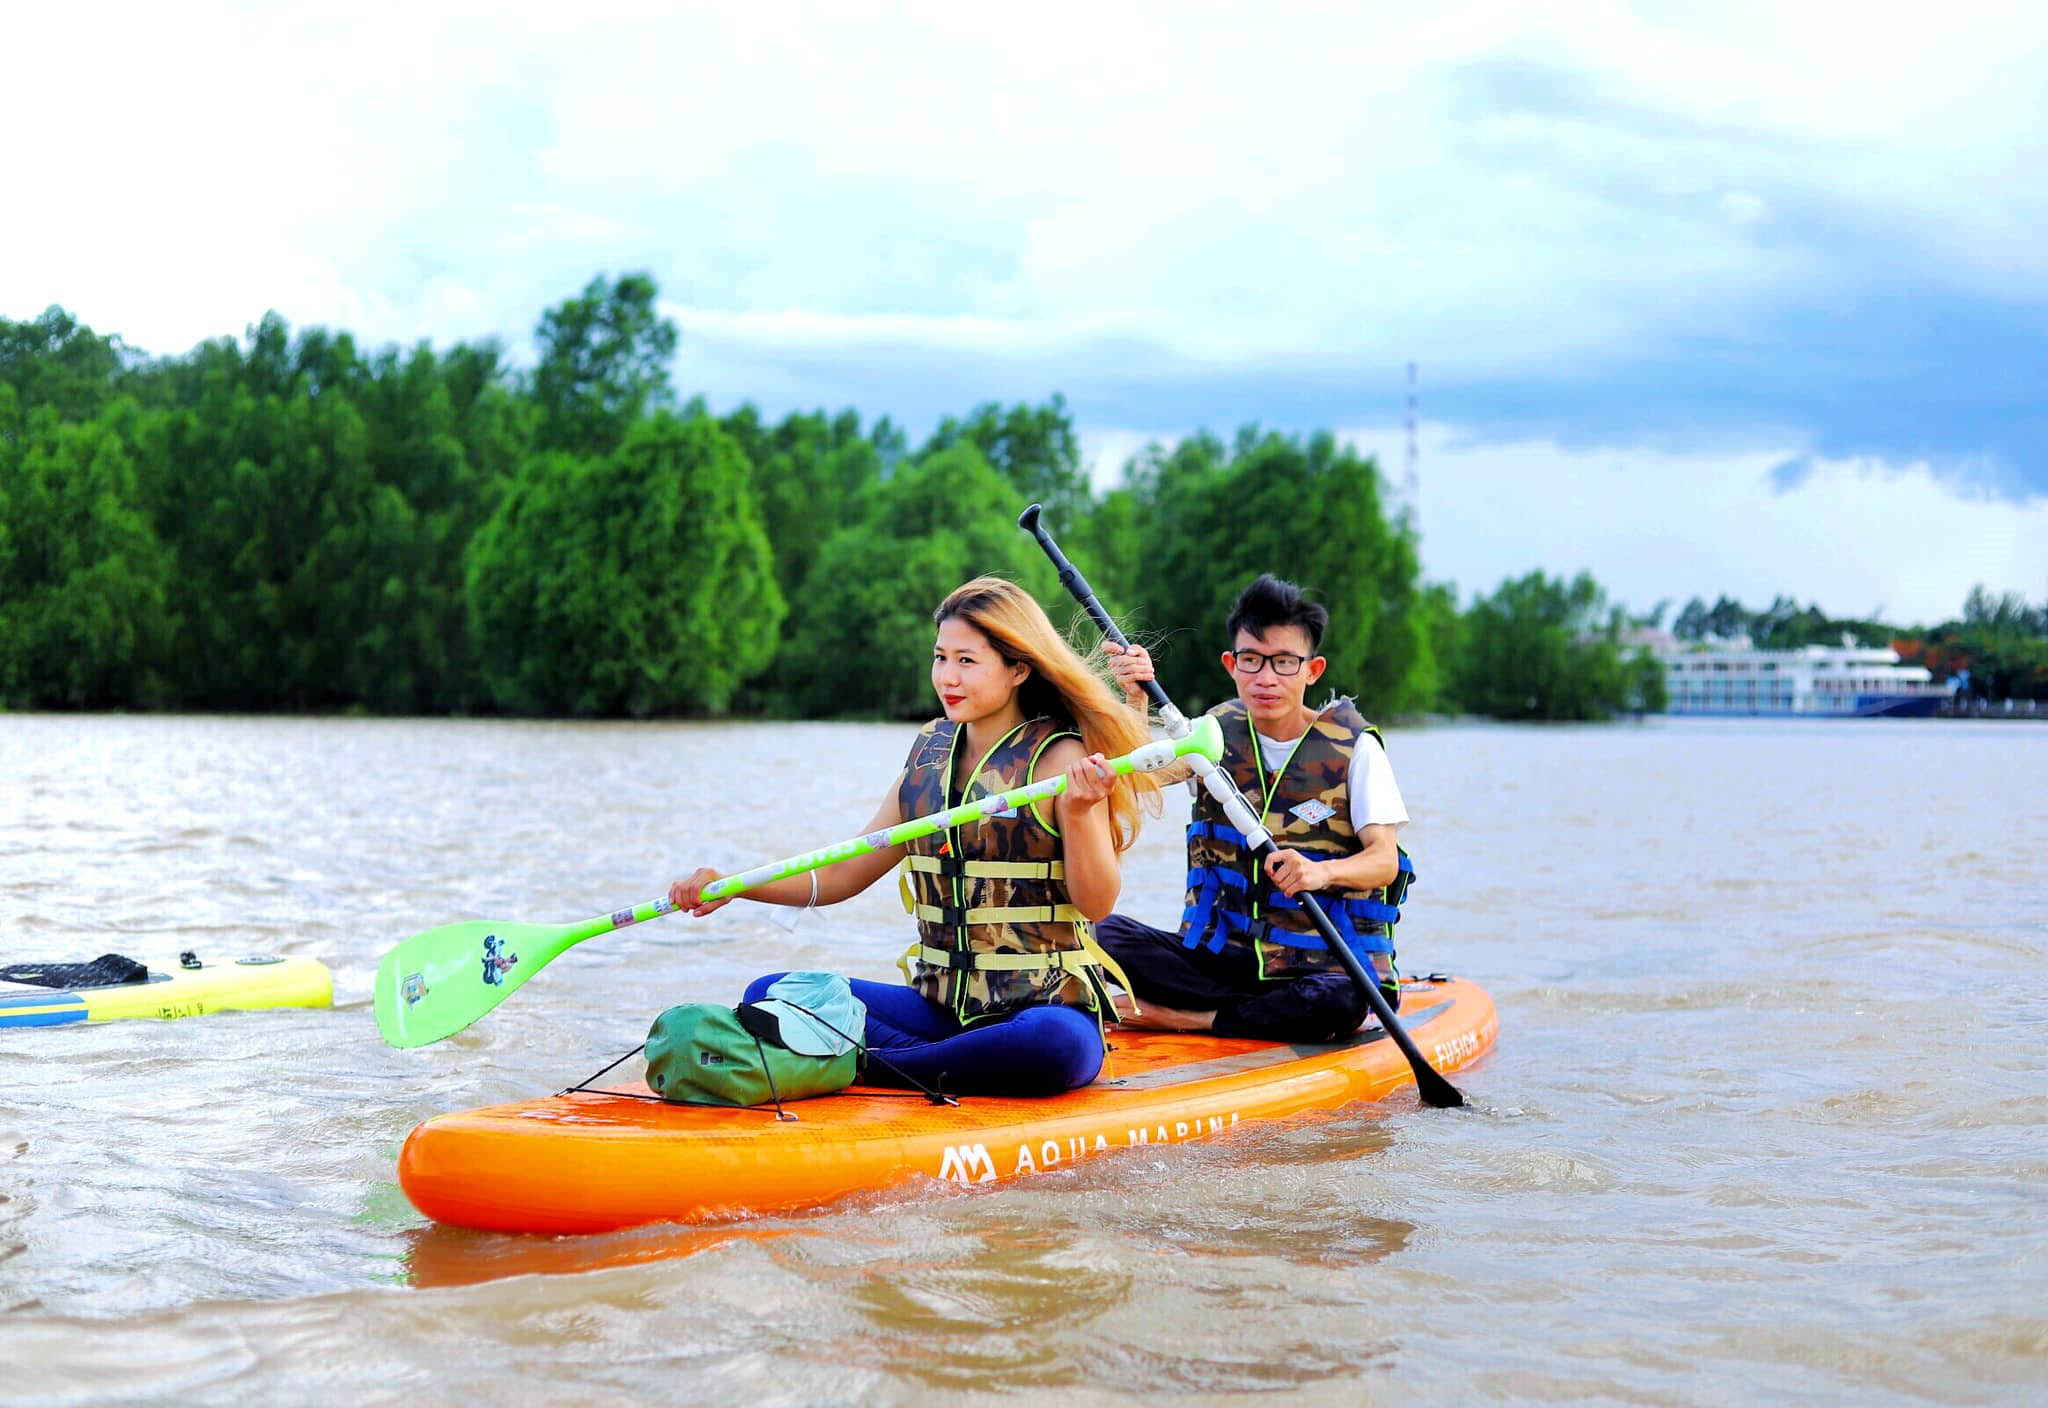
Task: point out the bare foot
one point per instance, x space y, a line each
1157 1017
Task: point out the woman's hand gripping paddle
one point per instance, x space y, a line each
1433 1088
435 984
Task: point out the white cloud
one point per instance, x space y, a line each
800 329
1743 207
1232 186
1105 453
1854 536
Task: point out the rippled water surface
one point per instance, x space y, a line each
1768 1118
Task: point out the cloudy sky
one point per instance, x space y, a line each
1705 298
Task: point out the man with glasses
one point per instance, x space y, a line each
1247 959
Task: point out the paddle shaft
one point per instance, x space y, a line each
1429 1083
1150 758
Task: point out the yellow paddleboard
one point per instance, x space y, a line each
236 984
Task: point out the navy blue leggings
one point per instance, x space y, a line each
1038 1051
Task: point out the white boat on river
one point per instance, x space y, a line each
1813 681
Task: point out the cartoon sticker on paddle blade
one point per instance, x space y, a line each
415 988
496 961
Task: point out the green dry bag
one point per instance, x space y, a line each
705 1054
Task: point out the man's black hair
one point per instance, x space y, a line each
1270 602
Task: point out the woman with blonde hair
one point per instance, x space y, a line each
1006 992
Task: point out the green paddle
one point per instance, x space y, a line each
435 984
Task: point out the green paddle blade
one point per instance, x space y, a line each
435 984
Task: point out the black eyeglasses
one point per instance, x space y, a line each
1250 662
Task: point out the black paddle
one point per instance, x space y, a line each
1433 1088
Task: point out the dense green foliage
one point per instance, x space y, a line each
84 580
868 598
603 363
1998 649
288 522
638 583
1542 648
1204 519
1783 625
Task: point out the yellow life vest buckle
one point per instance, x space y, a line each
1071 960
951 865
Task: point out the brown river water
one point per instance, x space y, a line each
1767 1121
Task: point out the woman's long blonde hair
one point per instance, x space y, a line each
1061 686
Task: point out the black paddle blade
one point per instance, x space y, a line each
1437 1091
1429 1083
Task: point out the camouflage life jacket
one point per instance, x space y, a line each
996 930
1307 808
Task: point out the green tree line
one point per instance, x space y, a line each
289 521
1997 648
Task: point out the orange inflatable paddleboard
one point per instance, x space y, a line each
595 1160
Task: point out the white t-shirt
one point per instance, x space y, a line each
1375 798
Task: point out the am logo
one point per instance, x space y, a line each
968 1163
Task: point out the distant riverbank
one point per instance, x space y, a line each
1989 710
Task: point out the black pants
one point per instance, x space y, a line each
1315 1007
